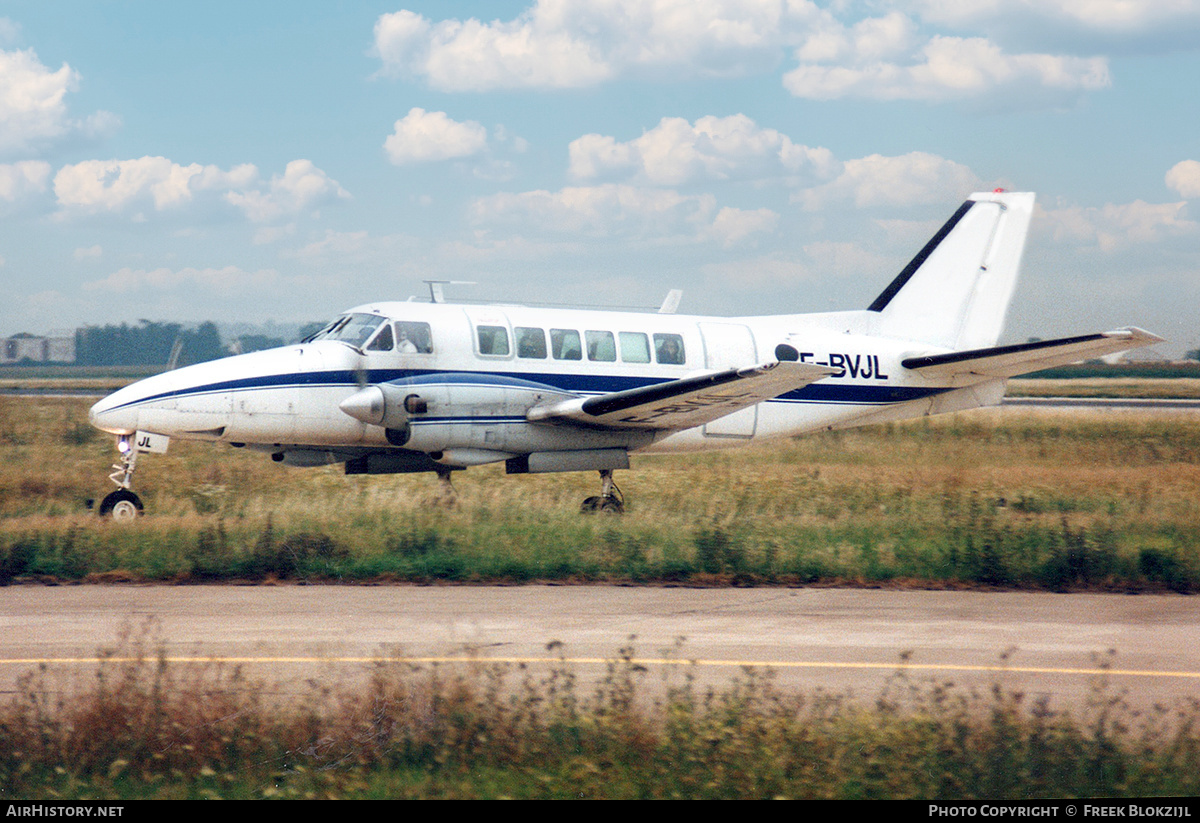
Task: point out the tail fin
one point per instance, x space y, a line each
955 292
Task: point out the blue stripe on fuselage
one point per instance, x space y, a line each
820 392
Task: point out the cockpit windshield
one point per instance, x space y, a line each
355 329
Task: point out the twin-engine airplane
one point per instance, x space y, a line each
413 387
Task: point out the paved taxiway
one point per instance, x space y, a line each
834 639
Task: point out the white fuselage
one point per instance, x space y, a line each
477 371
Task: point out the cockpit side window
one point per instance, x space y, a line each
413 338
383 341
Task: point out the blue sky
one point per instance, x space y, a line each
279 162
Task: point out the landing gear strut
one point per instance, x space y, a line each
122 504
447 496
610 499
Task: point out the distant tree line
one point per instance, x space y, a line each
150 343
147 344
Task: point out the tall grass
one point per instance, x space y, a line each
144 728
989 498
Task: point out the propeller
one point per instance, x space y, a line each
361 376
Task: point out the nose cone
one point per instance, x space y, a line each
366 405
112 415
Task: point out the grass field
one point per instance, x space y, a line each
144 729
993 497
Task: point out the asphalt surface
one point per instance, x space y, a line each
1060 646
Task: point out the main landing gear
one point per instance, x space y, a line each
610 499
122 504
446 496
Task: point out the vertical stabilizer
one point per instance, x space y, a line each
955 292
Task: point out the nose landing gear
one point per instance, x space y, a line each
123 504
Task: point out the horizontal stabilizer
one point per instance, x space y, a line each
684 403
1023 358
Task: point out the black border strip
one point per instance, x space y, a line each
998 351
620 401
903 277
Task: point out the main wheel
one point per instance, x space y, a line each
603 505
121 505
611 505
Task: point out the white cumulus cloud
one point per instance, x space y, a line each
1079 24
950 68
300 188
22 179
622 210
733 227
94 186
916 178
427 136
558 44
157 183
1116 226
576 43
1184 177
713 148
33 109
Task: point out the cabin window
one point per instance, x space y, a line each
565 345
601 346
383 341
493 340
413 338
530 342
668 348
635 347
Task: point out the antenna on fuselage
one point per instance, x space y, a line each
176 348
671 302
437 295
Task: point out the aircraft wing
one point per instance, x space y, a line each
684 403
1010 361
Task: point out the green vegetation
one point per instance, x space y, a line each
148 343
1149 370
1124 388
142 728
992 498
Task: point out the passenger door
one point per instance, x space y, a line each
727 346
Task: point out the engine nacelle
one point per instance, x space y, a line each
456 411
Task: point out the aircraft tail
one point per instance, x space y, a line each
955 292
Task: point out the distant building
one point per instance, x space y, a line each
57 347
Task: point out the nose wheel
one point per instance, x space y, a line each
121 505
609 501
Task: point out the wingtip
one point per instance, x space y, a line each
1139 337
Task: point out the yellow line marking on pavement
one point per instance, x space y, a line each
640 661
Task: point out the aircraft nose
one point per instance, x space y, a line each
110 417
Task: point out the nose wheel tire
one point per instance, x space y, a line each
121 505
